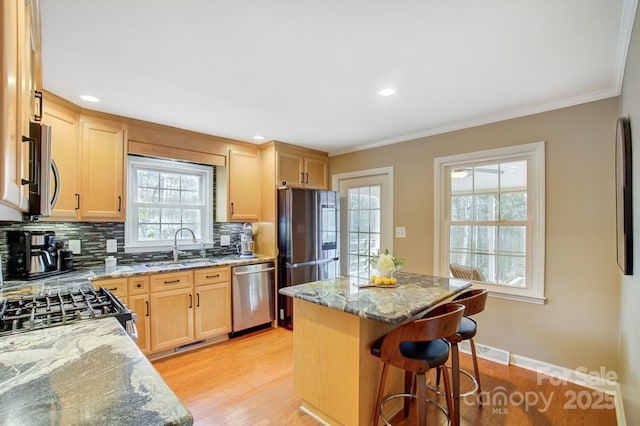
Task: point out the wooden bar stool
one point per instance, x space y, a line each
474 302
417 347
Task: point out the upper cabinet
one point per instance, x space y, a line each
244 186
89 155
21 76
301 168
65 152
102 191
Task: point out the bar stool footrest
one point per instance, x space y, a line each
413 396
437 389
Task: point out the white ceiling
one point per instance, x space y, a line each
306 72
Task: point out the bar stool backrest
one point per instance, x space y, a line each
444 324
473 300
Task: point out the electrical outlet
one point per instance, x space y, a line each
225 240
74 246
112 246
401 232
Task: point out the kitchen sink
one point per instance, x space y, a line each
184 264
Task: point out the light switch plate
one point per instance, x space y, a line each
74 246
225 240
112 246
401 232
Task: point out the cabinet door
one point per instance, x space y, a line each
65 153
139 304
316 171
244 186
14 105
171 315
102 166
213 310
289 169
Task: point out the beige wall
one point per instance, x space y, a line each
630 285
578 326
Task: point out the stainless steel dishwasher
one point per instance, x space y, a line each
252 288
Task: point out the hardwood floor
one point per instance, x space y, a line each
249 381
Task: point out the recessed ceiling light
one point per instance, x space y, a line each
258 137
387 92
89 98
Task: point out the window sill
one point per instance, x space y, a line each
518 298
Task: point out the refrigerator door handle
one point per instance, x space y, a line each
323 261
311 262
301 264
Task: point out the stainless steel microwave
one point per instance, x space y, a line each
44 179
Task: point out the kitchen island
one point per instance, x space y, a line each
335 323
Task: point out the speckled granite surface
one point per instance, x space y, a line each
88 373
76 279
414 294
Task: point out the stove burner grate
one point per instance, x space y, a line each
59 308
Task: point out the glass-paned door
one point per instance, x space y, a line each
367 215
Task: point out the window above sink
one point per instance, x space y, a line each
164 196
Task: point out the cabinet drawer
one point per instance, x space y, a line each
212 275
117 286
170 281
138 285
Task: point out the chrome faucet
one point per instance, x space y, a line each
175 241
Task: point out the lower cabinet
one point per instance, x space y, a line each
138 289
176 308
140 305
171 318
213 302
171 309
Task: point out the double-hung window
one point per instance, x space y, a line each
164 196
490 219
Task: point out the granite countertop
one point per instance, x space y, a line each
157 267
413 295
90 372
81 278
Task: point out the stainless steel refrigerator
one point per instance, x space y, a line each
308 241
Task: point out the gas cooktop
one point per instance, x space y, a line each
21 314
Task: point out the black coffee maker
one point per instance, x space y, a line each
32 254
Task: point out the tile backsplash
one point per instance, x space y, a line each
93 240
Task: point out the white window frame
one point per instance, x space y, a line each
132 245
534 154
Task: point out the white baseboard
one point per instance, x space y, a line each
598 381
486 352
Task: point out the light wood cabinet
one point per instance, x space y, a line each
89 155
171 310
213 302
102 170
299 169
171 318
65 144
116 286
138 290
176 308
19 75
140 305
244 186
